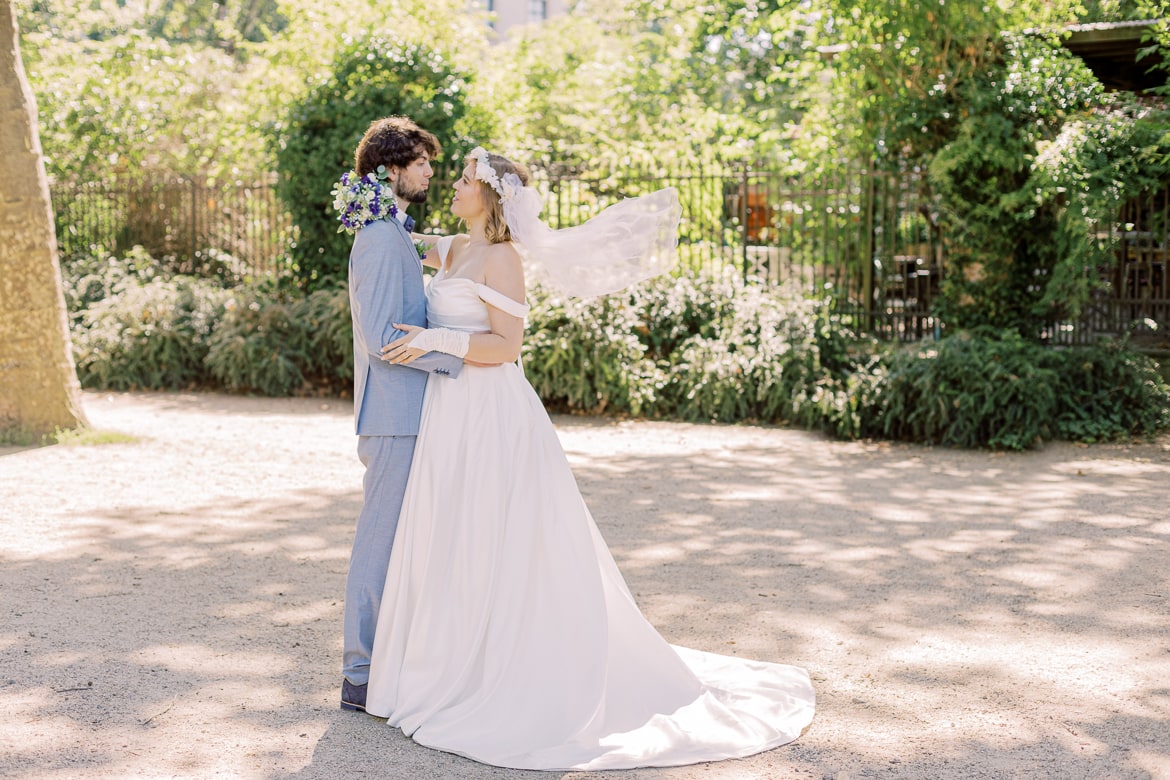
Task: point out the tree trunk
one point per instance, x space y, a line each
39 391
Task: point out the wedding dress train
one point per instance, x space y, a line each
507 633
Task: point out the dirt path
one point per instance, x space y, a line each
171 607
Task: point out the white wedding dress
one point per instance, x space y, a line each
507 633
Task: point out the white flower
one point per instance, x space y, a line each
487 174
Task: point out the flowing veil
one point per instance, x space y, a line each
630 241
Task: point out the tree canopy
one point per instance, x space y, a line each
977 95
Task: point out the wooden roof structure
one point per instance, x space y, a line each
1110 50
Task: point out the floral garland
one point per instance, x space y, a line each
487 174
362 201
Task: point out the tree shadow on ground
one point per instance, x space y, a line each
963 615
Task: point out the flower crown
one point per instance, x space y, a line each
484 171
360 201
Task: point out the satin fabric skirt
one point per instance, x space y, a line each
507 633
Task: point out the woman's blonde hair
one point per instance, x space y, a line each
496 229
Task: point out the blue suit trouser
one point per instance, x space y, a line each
387 462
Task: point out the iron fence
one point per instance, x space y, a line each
867 239
191 225
1133 294
864 238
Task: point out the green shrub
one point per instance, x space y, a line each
328 337
968 391
1107 392
89 280
274 344
372 77
147 334
707 347
734 350
257 347
585 356
995 389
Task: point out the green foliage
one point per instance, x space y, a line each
217 23
1156 51
968 391
1107 392
134 327
1011 238
714 348
328 337
705 347
631 82
898 66
88 437
279 345
100 115
90 280
585 356
1085 174
190 88
224 24
149 334
256 347
372 77
998 390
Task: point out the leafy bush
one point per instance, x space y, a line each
274 346
995 389
88 280
147 334
999 220
1108 392
1088 172
716 348
328 337
586 355
256 348
967 391
706 347
135 328
372 77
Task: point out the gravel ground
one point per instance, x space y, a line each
172 605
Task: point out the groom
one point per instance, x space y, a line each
385 287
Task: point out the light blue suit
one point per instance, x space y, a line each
385 287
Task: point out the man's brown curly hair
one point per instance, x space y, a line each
394 141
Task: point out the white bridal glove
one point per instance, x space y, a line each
452 342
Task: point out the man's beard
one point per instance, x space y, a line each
413 196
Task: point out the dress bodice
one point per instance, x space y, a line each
461 304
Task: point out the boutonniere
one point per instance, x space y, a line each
362 200
421 247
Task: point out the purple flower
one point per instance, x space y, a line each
361 200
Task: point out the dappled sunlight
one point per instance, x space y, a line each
655 554
948 604
956 598
212 598
962 542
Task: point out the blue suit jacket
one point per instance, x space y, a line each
385 287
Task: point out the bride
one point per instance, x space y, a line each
506 632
